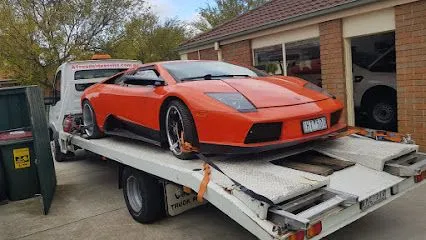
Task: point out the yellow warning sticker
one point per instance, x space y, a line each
21 157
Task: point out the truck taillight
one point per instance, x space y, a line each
420 177
300 235
67 123
314 230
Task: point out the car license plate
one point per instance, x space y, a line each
314 125
373 200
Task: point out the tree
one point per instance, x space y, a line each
221 11
148 39
36 36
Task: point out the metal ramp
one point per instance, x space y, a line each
300 212
407 165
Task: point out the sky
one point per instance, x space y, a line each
185 10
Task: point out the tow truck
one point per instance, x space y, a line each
304 192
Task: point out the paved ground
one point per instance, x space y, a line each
88 205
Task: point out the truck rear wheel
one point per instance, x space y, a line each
144 196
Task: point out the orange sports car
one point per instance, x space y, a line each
217 107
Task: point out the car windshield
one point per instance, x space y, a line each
199 70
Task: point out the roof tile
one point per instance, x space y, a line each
272 11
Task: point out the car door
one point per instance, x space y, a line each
136 104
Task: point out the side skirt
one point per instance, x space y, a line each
121 128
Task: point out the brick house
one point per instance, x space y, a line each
370 54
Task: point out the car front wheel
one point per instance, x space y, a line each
180 124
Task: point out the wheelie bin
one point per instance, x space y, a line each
18 161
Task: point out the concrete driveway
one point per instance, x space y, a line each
88 205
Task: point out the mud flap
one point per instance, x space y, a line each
177 200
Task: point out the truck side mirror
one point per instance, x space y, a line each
49 101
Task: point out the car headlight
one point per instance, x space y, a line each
316 88
234 100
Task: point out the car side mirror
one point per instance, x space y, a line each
144 81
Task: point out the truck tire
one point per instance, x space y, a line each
382 114
178 114
89 121
144 195
60 156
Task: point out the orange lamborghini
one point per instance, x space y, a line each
215 106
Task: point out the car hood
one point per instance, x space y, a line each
274 92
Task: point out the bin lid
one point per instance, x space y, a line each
15 135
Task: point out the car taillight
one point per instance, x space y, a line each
300 235
420 177
314 230
67 123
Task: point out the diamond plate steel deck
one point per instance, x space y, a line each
370 153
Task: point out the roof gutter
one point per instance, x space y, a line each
354 3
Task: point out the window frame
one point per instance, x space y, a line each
118 79
57 92
303 42
284 62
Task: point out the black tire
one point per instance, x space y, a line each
95 132
382 114
189 129
59 156
151 194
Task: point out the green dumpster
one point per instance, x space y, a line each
26 162
18 159
3 196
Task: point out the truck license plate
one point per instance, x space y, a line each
314 125
373 200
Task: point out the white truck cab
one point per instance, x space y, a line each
71 79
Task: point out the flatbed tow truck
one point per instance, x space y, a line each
306 192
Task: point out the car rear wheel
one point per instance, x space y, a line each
179 123
89 121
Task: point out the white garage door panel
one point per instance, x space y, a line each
369 23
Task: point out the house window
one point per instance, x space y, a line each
303 60
269 59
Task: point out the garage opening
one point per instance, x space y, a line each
374 81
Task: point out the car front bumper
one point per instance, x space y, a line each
226 132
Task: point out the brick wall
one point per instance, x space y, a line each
208 54
238 52
410 41
193 55
332 60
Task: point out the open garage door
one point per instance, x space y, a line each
374 81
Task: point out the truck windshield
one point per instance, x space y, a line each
93 74
206 70
96 73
